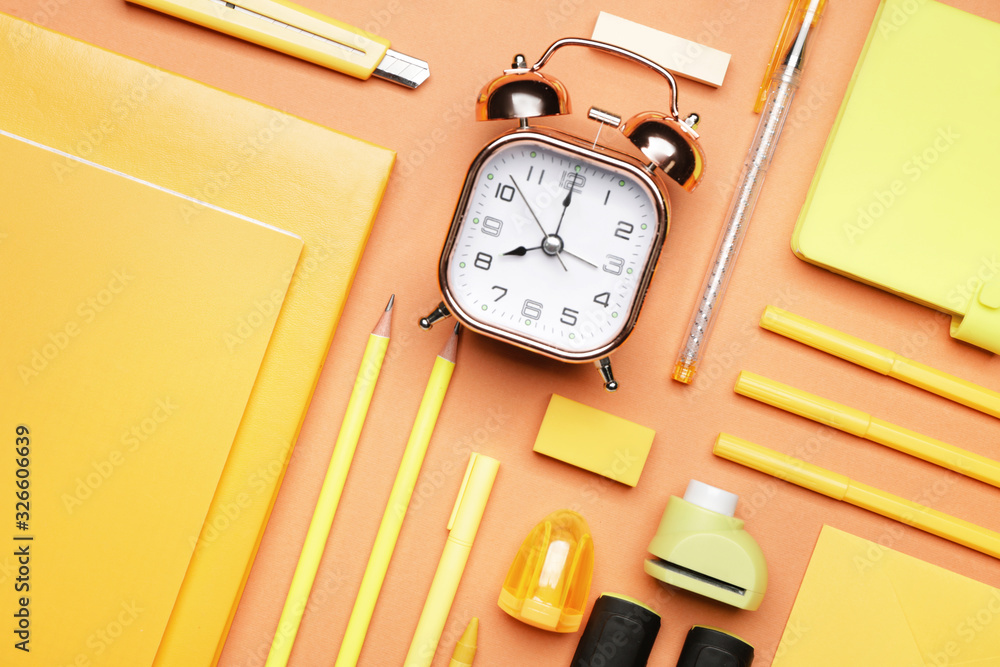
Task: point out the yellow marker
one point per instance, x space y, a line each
463 526
399 501
302 33
465 649
880 360
840 487
333 487
871 428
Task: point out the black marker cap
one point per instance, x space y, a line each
619 633
709 647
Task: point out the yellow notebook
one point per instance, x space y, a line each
905 197
864 604
131 341
321 185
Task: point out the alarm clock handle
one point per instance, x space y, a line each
604 365
618 51
439 313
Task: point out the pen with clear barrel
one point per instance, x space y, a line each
803 16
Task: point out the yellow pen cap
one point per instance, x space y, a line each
472 497
781 466
548 583
803 404
827 339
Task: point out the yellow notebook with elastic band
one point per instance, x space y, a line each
321 185
905 196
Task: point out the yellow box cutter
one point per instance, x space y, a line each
300 32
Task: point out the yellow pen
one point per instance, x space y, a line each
463 526
863 425
839 487
880 360
399 501
333 488
300 32
465 649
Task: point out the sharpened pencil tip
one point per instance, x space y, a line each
450 350
384 324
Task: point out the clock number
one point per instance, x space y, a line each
492 226
483 261
532 309
603 298
569 316
614 265
503 293
505 192
573 180
624 230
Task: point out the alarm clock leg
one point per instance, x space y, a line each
604 365
439 313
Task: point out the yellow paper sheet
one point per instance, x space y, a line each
864 604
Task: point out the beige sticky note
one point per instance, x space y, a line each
681 56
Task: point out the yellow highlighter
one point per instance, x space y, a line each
300 32
843 488
463 526
880 360
865 426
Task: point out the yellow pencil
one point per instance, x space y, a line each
333 487
399 500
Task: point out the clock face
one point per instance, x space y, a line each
553 248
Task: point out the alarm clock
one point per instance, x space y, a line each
555 238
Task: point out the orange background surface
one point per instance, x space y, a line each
498 393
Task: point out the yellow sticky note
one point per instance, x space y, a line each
864 604
594 440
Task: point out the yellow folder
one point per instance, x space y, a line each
865 604
321 185
905 196
131 340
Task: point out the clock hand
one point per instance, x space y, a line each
520 250
569 197
518 188
585 261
